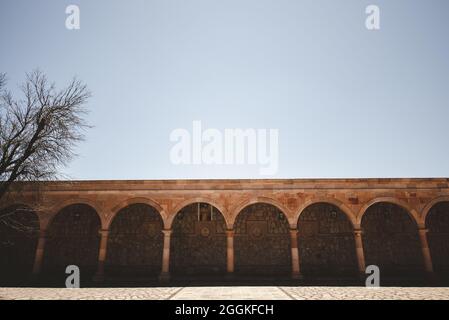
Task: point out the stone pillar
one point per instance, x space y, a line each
296 274
428 265
359 251
99 276
165 274
230 251
39 256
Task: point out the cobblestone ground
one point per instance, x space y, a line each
227 293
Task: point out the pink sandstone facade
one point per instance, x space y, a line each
294 226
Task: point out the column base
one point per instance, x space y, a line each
34 277
229 276
362 277
98 277
297 276
164 277
431 278
35 273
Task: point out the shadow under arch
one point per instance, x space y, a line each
194 200
334 202
264 200
426 210
19 229
56 209
135 242
391 240
326 241
198 241
136 200
410 211
72 239
262 245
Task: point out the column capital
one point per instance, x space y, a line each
42 233
167 232
230 232
294 234
358 232
103 232
423 230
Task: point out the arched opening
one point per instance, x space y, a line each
262 241
19 226
391 240
437 222
73 239
135 242
326 242
198 243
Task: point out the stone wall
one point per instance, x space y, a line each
73 239
135 242
262 241
259 211
198 244
18 240
391 240
326 241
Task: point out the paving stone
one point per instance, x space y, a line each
228 293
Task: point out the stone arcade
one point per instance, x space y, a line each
168 229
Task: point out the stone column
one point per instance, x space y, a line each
428 265
359 251
99 276
296 274
230 251
39 256
165 274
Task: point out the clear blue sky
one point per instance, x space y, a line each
348 102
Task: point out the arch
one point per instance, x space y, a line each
254 200
198 241
332 201
425 211
136 200
29 207
135 242
326 241
391 240
19 229
190 201
262 242
437 224
410 211
72 239
18 204
21 208
56 209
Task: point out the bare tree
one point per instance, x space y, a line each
39 130
2 80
